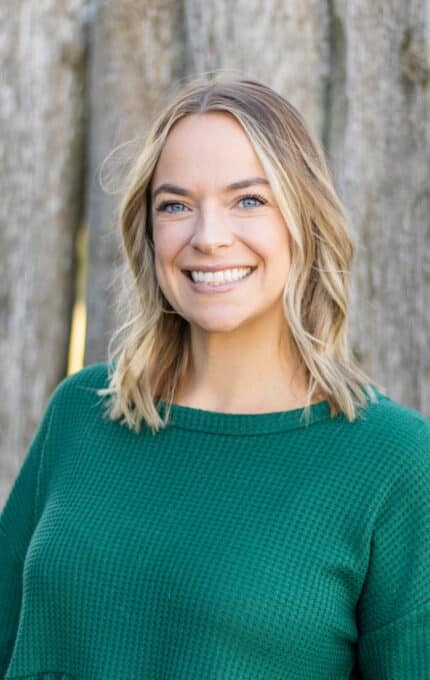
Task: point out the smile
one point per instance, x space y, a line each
217 282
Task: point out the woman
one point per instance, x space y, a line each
253 506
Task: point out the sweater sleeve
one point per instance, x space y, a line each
17 522
394 606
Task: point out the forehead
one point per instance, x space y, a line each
207 145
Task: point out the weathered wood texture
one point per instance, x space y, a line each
136 55
285 44
357 69
379 140
42 59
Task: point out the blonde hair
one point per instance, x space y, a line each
152 359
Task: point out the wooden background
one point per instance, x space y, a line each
79 78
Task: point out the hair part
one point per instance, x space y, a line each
153 356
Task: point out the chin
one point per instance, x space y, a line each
215 325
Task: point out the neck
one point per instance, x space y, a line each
244 371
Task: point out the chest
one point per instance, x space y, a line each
257 549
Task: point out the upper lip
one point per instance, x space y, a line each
218 268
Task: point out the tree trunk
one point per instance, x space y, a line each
42 60
286 45
136 57
379 140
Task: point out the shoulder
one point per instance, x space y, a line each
392 434
390 420
384 455
80 388
88 379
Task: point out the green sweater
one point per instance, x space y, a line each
226 547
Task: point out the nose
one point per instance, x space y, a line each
211 231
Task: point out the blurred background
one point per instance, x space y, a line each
82 78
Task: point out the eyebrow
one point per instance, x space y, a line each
175 189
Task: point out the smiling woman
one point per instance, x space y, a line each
265 512
240 252
236 247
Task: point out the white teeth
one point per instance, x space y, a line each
217 278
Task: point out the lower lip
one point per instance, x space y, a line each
201 287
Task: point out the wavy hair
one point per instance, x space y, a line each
153 354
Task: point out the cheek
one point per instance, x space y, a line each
160 263
164 250
281 243
272 246
168 241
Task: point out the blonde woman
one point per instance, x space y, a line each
229 495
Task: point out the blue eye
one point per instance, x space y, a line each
253 197
168 204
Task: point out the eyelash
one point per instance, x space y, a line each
164 204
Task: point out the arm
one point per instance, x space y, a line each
394 607
17 521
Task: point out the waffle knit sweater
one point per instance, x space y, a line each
225 547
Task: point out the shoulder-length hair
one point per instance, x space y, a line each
152 357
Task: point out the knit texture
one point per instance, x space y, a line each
225 547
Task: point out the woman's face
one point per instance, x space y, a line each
202 222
